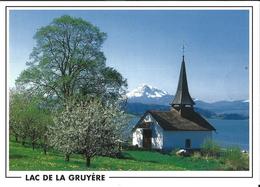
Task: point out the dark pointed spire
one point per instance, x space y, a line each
182 96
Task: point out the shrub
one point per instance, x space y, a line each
131 148
174 151
210 149
196 155
234 159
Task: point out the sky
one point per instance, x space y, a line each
145 46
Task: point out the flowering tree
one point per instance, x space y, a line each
90 128
27 118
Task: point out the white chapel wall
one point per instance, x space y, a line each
176 139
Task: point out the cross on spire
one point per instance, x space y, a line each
183 50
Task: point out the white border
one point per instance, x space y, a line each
255 72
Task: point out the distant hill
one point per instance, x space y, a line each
146 97
221 107
140 108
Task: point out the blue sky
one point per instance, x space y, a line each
145 46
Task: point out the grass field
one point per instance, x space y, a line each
24 158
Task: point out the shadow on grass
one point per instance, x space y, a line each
128 156
16 156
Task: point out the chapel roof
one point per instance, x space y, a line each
174 120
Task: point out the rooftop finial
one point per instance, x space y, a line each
183 50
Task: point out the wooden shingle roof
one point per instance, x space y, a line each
174 120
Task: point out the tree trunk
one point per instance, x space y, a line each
33 140
87 161
45 145
67 157
23 141
45 149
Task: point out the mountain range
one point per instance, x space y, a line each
146 97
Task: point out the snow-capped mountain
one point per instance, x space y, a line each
147 94
146 90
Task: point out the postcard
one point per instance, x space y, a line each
123 93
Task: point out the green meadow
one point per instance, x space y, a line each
23 158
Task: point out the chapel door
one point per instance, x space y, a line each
147 136
187 143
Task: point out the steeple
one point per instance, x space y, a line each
182 97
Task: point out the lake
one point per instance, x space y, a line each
229 132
